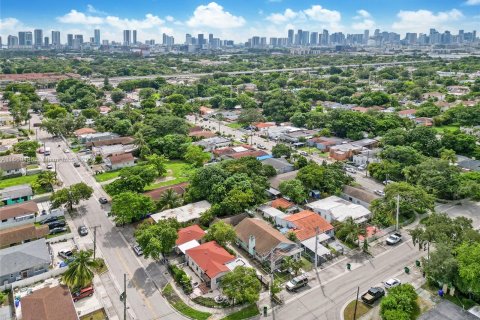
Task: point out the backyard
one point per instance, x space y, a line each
9 182
177 172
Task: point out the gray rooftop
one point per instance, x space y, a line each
277 163
24 256
12 192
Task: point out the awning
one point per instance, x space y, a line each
310 245
188 245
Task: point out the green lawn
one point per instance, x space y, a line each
109 175
244 313
95 315
181 307
178 170
442 129
309 150
234 125
9 182
362 309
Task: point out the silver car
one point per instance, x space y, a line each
391 283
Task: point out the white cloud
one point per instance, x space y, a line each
314 17
422 20
366 22
9 23
213 15
149 22
169 18
92 9
362 14
318 13
279 18
76 17
472 2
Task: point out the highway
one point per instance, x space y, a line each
115 80
143 276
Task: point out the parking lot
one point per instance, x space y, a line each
59 246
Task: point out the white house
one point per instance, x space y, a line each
189 212
119 161
337 209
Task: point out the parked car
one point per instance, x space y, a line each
243 140
66 150
391 283
385 182
58 230
82 231
82 293
379 192
103 200
56 224
49 220
373 294
65 254
303 153
394 238
138 250
297 283
351 170
76 164
261 147
49 166
362 167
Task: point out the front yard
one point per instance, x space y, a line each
244 313
9 182
109 175
181 307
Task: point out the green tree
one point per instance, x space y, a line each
46 180
159 163
157 239
468 256
449 155
79 273
400 299
442 266
249 116
241 285
294 189
71 195
290 264
280 150
196 156
326 178
222 233
28 148
348 231
117 95
169 200
130 206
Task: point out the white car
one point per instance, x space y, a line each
379 192
351 170
66 150
391 283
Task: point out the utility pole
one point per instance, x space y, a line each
316 247
356 302
398 211
124 296
94 240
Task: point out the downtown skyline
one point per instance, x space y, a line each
229 20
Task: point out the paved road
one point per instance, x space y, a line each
115 80
144 300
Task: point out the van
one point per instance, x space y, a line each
82 293
297 282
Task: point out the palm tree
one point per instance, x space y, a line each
169 200
142 145
79 273
353 230
47 179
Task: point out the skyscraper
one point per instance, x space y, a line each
366 36
79 38
188 39
70 40
298 37
46 41
55 38
28 38
305 38
325 38
96 35
291 36
127 37
134 37
313 38
21 38
201 39
12 41
38 37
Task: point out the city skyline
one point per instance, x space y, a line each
229 20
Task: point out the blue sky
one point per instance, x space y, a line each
235 19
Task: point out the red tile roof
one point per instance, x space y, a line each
254 153
189 233
281 203
306 222
202 134
261 125
407 112
179 188
211 258
82 131
121 158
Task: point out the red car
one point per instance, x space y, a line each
82 293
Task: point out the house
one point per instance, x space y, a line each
423 121
280 165
13 164
249 153
263 126
124 141
358 196
21 234
84 131
434 95
305 224
366 143
119 161
53 303
18 214
96 136
24 261
205 111
213 143
279 178
325 143
264 243
458 90
298 135
409 113
334 208
344 151
179 188
189 212
272 214
284 205
209 261
199 135
188 238
105 110
468 164
16 194
366 156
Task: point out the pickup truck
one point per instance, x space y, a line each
373 294
394 239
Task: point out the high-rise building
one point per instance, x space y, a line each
188 39
70 40
201 39
134 37
92 40
325 38
55 38
313 38
263 42
38 37
104 42
127 37
411 37
298 37
291 36
168 40
366 36
46 41
21 38
12 41
96 35
210 38
28 38
305 38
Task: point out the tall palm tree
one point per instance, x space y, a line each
169 200
142 145
80 271
47 179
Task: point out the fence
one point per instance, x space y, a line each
32 280
60 238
